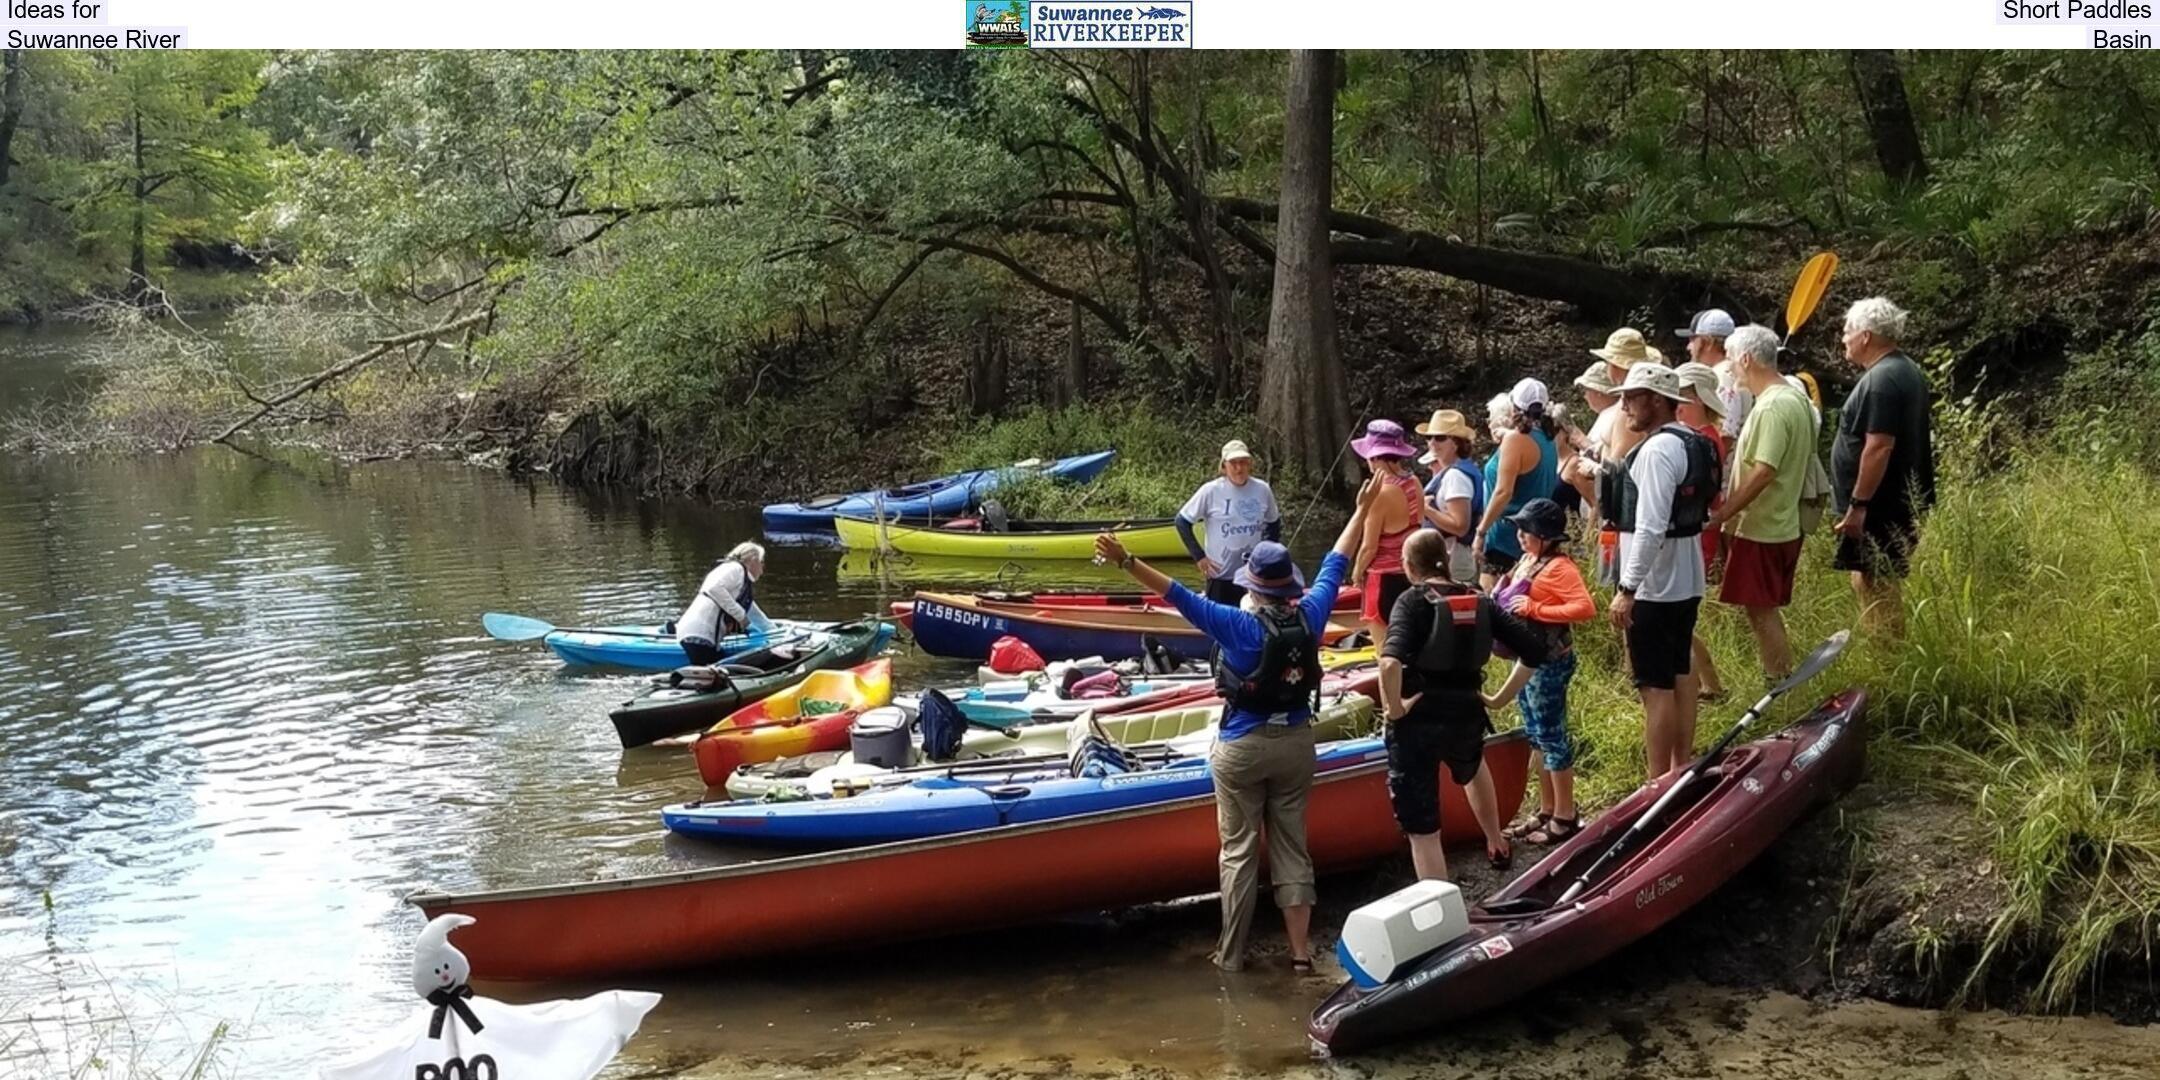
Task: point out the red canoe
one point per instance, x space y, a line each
1732 814
1349 598
999 877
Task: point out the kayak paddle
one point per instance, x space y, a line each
1807 291
1809 668
503 627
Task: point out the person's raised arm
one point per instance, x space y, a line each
1354 530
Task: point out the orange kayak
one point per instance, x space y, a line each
802 719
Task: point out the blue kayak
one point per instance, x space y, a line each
946 496
966 798
645 648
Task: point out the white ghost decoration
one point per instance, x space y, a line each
458 1036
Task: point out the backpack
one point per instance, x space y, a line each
1699 486
942 724
1288 676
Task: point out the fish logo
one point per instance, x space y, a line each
1161 13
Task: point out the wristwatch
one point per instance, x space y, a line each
1858 503
1126 562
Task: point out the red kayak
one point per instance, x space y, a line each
1726 818
955 884
1348 599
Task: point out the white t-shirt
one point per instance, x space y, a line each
1660 568
1235 517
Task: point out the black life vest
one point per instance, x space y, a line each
1698 486
1461 637
1288 677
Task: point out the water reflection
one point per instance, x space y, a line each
245 704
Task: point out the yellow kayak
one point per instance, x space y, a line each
1075 540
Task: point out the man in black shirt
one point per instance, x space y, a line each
1882 462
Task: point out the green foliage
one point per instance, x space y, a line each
1161 458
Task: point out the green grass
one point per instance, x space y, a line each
2027 682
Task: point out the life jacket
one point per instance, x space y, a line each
1470 469
1698 486
1461 637
1288 676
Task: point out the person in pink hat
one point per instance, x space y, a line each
1394 516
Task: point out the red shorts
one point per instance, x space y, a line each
1759 575
1382 587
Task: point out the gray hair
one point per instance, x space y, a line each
1878 316
1500 411
1754 342
747 552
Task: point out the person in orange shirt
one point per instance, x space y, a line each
1546 589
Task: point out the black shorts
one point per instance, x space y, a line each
1885 546
1660 641
1415 751
1225 591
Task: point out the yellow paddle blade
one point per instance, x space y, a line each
1808 290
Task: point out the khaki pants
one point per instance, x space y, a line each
1262 777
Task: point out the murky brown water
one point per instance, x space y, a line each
245 705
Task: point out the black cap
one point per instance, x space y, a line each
1541 518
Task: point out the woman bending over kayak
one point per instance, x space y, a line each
725 604
1439 638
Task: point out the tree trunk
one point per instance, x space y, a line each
1303 414
138 259
986 372
1072 387
11 106
1889 116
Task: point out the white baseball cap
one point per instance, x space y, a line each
1235 450
1527 393
1711 322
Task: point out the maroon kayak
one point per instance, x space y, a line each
1727 817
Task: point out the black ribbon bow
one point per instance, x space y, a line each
446 1001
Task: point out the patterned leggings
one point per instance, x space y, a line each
1544 710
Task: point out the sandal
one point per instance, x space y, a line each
1301 965
1525 825
1554 831
1501 861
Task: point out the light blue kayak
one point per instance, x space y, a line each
644 648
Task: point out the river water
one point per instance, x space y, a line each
246 705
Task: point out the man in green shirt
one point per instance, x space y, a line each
1761 515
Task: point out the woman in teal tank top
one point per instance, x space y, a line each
1526 466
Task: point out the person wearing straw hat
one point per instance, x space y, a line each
1704 411
1267 668
1602 396
1525 467
1665 498
1237 510
1455 497
1394 517
1599 469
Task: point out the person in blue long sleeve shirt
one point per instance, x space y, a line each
1262 759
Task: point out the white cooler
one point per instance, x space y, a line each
1383 937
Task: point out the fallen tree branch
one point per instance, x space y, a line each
346 367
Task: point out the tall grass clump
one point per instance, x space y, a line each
2030 668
